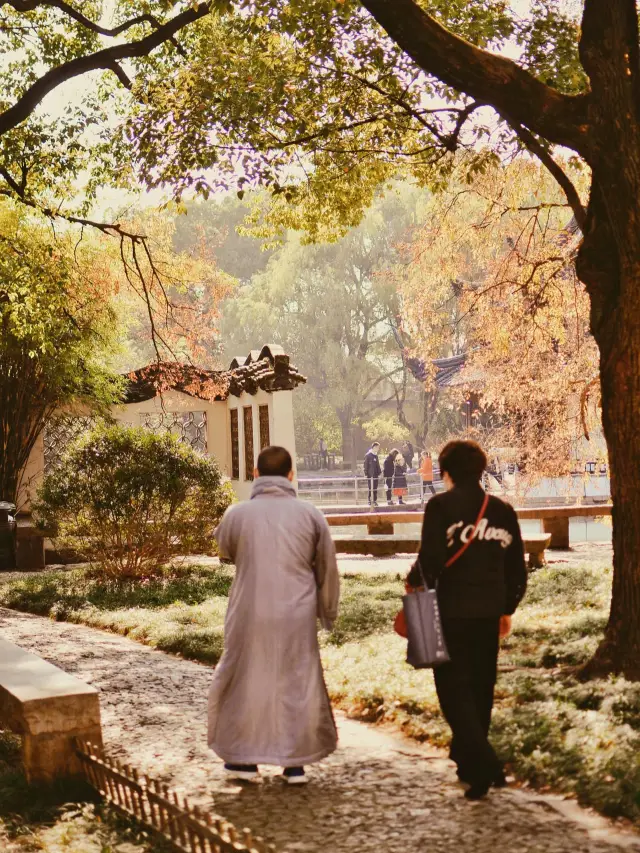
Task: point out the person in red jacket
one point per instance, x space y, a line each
477 594
426 474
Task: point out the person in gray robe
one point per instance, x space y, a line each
268 703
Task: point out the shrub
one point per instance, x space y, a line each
129 499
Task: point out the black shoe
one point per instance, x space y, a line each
500 780
477 791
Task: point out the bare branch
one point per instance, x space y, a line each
122 75
68 9
537 148
102 59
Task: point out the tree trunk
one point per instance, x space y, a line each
613 281
348 447
620 381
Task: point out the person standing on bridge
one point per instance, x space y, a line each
426 474
388 469
324 454
408 453
268 703
400 487
372 472
472 553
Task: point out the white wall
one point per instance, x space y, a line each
281 431
175 401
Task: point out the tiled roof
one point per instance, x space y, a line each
268 369
449 372
447 369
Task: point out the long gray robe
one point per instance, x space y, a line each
268 703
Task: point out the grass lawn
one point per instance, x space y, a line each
62 819
554 732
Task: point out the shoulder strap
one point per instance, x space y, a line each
459 553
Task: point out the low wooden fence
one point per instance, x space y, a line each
187 828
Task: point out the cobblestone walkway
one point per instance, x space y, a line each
380 792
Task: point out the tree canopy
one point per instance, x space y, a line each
56 333
502 290
334 311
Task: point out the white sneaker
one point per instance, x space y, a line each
242 775
295 776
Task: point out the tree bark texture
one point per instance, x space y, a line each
609 265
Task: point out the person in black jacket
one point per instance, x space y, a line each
400 487
387 472
477 595
372 472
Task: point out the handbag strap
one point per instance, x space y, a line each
459 553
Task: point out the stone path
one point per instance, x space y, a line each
380 792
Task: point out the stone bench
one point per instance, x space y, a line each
49 709
377 523
380 545
534 547
383 545
555 519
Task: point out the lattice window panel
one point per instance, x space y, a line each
249 461
265 438
60 432
189 427
235 445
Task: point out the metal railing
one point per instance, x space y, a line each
354 490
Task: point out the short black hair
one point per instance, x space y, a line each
376 444
274 462
463 461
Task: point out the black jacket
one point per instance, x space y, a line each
400 476
490 578
388 467
371 464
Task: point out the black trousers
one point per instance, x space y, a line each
389 483
427 484
465 689
373 489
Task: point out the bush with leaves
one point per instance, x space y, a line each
128 499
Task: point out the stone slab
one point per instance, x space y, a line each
38 698
377 545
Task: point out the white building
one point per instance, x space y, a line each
230 415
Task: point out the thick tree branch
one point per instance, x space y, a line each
105 59
68 9
484 76
564 181
121 74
